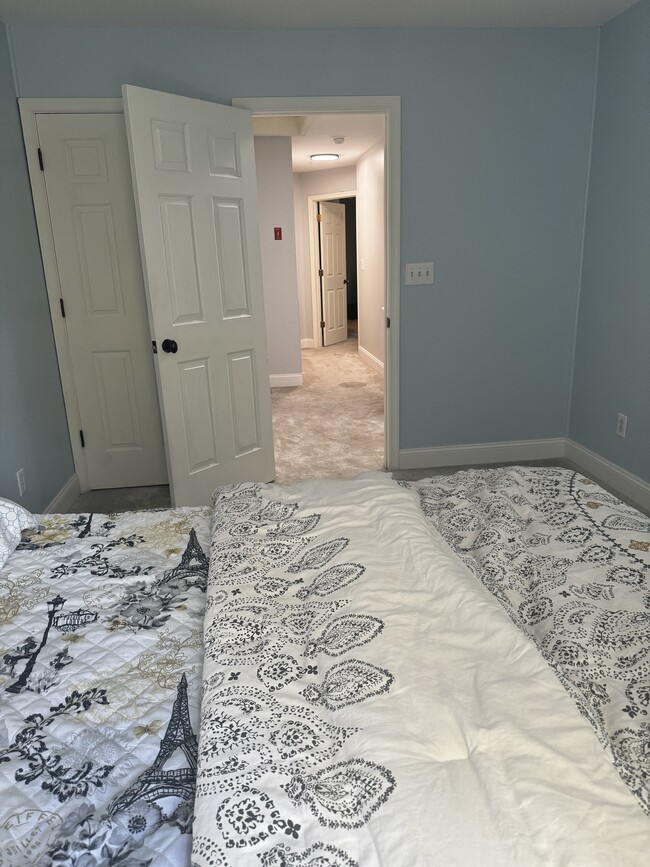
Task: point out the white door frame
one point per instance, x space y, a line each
29 109
312 211
389 107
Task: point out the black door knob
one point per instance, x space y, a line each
169 345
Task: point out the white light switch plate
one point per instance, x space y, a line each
419 273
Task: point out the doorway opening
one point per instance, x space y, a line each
381 269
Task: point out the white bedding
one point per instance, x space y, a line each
466 749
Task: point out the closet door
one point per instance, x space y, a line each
92 216
333 281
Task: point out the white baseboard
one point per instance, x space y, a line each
285 380
482 453
68 494
602 470
371 361
306 342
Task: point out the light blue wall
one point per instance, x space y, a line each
33 432
495 139
612 365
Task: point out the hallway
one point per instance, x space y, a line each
333 425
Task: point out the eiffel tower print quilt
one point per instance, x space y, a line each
101 622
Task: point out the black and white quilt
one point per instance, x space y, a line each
100 664
570 564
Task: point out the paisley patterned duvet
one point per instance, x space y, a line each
570 564
100 662
367 702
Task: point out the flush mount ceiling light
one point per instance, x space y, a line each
321 158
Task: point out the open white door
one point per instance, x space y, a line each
193 172
333 282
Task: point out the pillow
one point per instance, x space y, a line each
13 519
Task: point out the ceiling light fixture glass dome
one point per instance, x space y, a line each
323 157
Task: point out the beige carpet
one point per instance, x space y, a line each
333 425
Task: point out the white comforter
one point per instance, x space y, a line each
366 701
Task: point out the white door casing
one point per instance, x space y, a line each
193 172
333 280
93 229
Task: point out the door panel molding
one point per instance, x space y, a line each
29 110
193 162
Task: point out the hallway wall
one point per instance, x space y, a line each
276 209
371 243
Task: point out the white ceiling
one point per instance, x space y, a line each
361 132
308 13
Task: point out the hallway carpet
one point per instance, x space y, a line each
333 425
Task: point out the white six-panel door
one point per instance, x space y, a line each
193 172
334 288
90 201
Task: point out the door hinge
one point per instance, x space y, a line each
62 307
40 160
154 347
322 325
321 273
319 217
83 441
388 322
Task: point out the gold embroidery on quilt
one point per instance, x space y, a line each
52 529
73 637
158 535
592 505
24 592
636 545
151 728
167 662
133 688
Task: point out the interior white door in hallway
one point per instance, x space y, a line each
333 278
90 201
193 172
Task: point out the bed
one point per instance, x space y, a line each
447 672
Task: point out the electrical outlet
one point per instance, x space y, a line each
22 484
621 425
